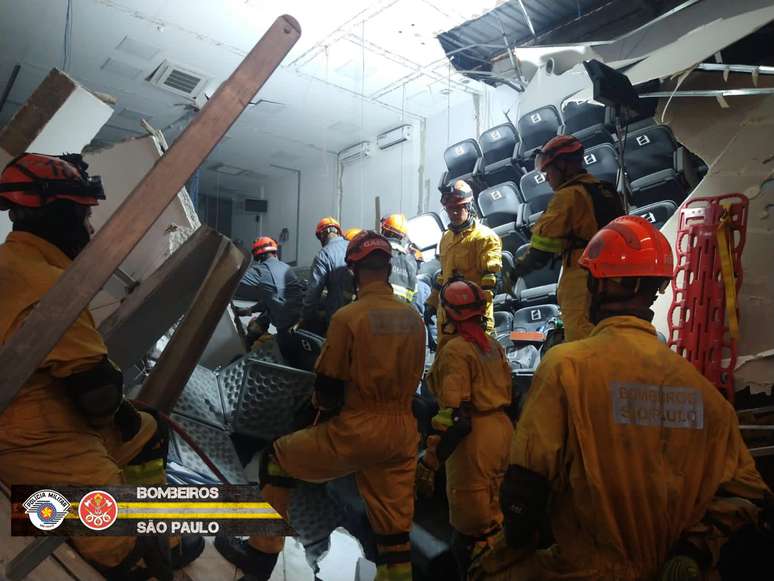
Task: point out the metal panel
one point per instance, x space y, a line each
270 396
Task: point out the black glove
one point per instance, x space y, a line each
523 500
430 312
128 420
243 311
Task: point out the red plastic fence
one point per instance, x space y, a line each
698 325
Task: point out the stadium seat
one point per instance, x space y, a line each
537 287
537 193
533 318
656 167
658 213
500 204
602 162
462 162
535 129
499 147
587 122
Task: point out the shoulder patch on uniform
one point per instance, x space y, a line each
659 406
392 322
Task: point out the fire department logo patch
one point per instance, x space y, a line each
98 510
46 509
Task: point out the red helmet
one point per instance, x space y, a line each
350 233
263 245
629 246
327 223
33 180
460 195
394 224
365 244
556 147
463 300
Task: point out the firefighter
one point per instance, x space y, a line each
350 233
329 273
468 250
581 205
70 424
471 380
367 374
278 292
635 457
403 277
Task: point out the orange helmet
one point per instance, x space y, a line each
629 246
263 245
463 300
460 195
326 224
394 225
33 180
556 147
350 233
365 244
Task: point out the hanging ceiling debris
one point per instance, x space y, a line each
474 45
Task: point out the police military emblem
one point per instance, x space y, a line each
46 509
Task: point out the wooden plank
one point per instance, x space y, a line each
169 376
160 300
59 308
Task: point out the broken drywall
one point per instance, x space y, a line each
59 117
736 144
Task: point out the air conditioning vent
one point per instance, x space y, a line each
182 81
178 80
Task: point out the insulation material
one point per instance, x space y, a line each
59 117
122 166
739 152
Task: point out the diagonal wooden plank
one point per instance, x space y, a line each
160 300
170 374
59 308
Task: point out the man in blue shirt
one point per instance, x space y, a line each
277 291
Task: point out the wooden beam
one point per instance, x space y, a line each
160 300
168 378
58 309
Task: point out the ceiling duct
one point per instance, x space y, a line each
178 80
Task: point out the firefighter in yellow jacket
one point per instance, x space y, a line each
472 382
640 455
581 205
468 250
368 371
70 424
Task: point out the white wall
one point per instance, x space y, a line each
318 199
391 174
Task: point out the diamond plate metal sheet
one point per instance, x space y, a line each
312 513
269 398
215 443
230 383
201 399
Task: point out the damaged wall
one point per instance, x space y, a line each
736 144
121 167
59 117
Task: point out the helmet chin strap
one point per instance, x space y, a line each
457 228
61 223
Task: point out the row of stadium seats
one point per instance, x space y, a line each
656 167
